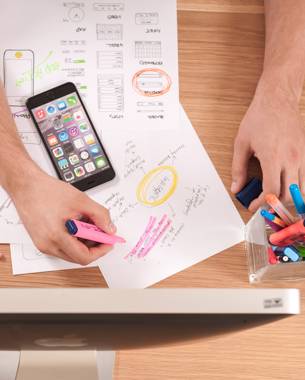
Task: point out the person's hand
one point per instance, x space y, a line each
272 130
45 204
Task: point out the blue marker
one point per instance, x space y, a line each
273 218
297 199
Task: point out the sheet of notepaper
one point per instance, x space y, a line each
168 202
26 258
171 207
122 56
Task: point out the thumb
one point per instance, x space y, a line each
241 157
100 216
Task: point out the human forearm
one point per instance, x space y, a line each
284 67
45 203
16 165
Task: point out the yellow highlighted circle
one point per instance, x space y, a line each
150 179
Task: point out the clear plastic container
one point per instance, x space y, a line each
260 270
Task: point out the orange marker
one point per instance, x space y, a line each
279 208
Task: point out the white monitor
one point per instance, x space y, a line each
103 319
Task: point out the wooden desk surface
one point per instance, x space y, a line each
221 51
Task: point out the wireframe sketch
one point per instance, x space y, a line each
18 66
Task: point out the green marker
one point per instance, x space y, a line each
301 250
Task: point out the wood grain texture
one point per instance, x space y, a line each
220 62
229 6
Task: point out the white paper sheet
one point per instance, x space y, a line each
122 57
27 259
172 208
181 203
167 199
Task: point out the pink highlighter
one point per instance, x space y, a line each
91 232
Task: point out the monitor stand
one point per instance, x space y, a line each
66 365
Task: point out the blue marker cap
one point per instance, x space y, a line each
297 198
71 227
292 253
250 192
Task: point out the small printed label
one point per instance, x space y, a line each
273 302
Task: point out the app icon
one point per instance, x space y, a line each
51 109
84 127
52 140
72 101
69 176
90 167
78 143
94 149
63 164
74 159
100 162
78 116
58 152
84 155
63 136
73 131
61 105
67 119
68 148
79 171
40 114
56 123
89 139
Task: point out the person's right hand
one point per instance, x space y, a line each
273 131
45 204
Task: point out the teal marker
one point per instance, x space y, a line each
297 199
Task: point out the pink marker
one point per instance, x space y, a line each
91 232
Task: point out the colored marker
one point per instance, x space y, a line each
91 232
271 256
273 226
297 198
279 208
291 252
272 218
301 250
289 235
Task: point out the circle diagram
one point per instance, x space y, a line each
151 82
76 14
157 186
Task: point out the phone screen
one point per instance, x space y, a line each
70 138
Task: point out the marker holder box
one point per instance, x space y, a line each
259 267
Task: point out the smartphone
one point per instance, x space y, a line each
18 66
70 137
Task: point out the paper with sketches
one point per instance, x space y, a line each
27 259
170 205
122 57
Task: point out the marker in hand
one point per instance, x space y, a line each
91 232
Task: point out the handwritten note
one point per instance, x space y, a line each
171 207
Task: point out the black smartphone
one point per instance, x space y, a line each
70 137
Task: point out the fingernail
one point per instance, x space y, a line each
234 187
112 227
